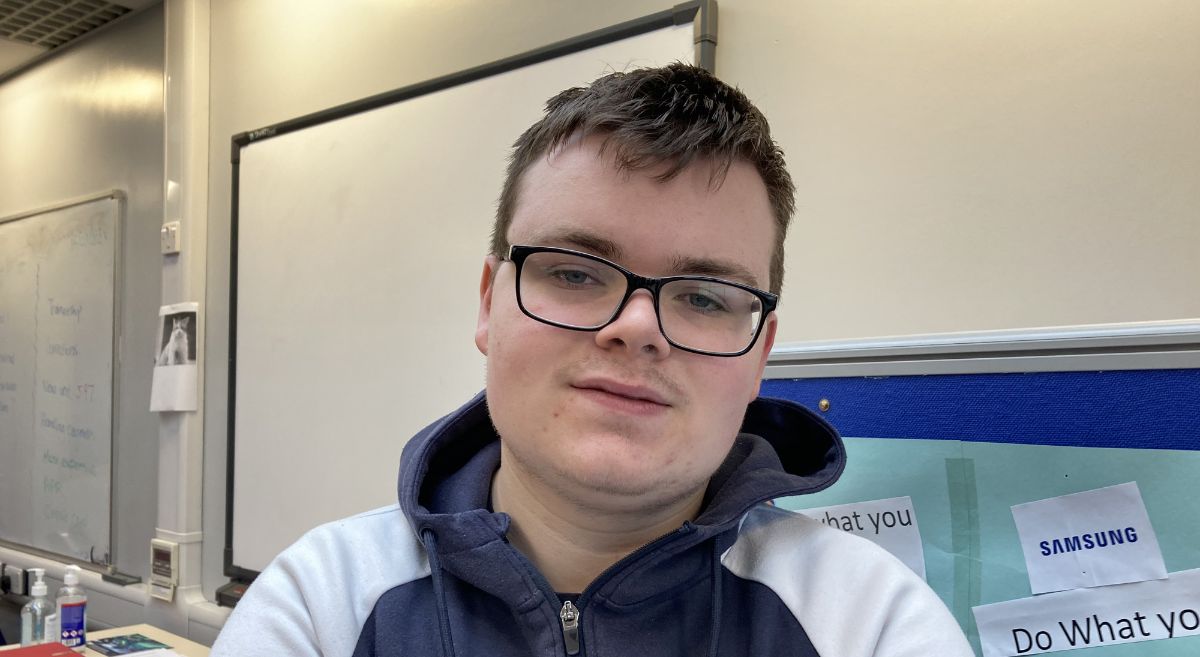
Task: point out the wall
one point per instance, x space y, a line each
968 166
86 121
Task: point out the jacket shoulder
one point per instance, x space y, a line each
852 597
315 596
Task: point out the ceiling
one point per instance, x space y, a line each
32 28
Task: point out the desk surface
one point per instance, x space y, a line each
178 644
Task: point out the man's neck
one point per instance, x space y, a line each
572 544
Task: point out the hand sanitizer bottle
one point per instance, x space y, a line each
33 614
72 611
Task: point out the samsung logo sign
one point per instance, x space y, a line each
1088 541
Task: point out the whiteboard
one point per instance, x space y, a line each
57 273
358 248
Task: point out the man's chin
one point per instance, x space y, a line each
625 488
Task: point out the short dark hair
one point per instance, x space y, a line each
673 115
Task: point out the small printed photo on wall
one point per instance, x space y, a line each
177 339
174 384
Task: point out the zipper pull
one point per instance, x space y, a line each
570 622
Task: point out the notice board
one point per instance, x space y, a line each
968 425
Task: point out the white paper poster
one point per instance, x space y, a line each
174 383
890 523
1093 538
1088 618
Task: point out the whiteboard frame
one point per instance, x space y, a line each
702 14
105 567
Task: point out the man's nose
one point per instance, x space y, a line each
636 328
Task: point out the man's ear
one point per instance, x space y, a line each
486 280
767 338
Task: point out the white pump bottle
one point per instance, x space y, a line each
36 612
72 611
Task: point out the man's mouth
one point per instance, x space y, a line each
623 396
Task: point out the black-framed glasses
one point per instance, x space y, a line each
583 292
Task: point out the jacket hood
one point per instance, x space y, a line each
446 470
445 486
783 449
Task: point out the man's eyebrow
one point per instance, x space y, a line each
714 268
680 265
582 241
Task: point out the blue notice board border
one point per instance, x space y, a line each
1143 409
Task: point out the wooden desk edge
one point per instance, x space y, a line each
183 646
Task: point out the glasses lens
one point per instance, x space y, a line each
709 316
569 289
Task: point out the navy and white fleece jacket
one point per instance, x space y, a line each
434 575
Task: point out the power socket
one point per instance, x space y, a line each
169 236
16 580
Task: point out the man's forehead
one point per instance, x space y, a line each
677 263
582 159
703 220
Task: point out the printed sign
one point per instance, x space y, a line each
174 384
889 523
1093 538
1088 618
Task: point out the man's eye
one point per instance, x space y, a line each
703 303
573 277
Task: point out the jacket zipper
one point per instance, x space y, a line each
570 626
569 614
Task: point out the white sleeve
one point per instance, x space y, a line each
273 616
852 598
315 597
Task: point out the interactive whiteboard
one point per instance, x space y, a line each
358 245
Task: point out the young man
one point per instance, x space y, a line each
606 495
